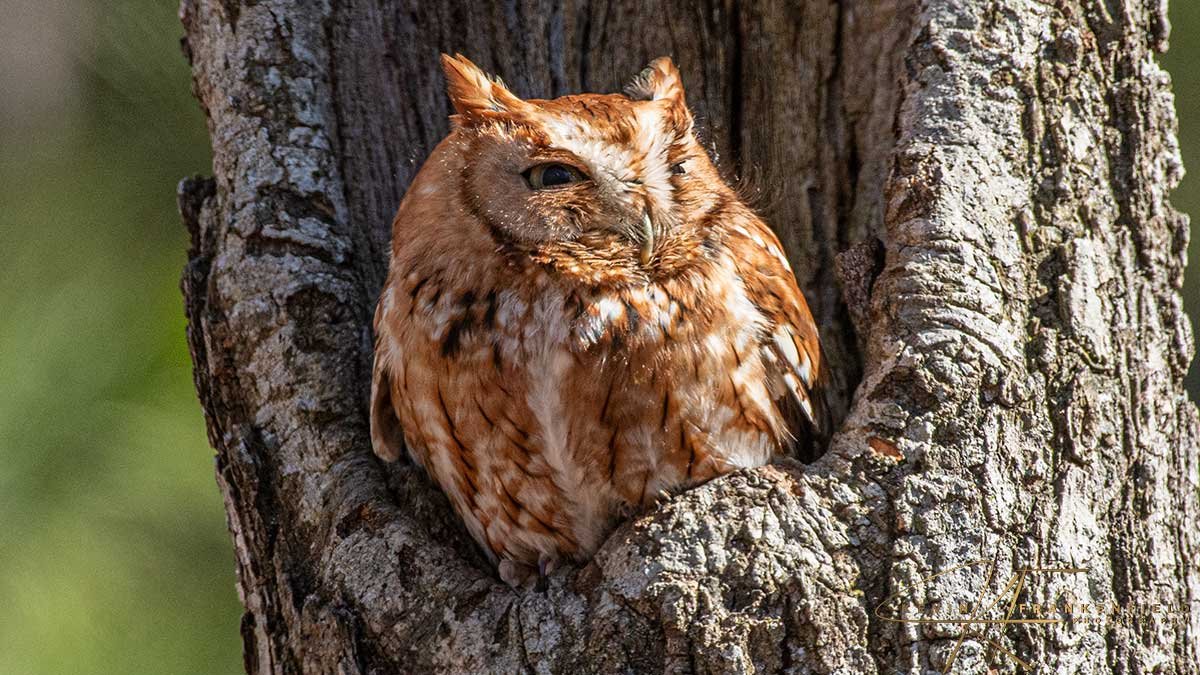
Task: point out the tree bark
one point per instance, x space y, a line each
973 194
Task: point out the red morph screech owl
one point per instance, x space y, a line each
580 316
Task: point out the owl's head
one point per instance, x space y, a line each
625 170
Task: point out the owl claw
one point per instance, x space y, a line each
546 565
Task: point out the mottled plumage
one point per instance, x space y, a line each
580 316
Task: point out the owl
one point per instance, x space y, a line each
581 317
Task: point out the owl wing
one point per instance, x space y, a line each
797 376
387 438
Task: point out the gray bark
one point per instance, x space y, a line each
974 197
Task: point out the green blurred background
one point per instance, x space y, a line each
114 556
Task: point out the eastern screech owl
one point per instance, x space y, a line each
580 316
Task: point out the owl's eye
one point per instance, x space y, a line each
678 169
545 176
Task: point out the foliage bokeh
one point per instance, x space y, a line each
114 556
1182 60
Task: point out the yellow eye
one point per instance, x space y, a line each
546 176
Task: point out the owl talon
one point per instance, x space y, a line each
546 565
515 574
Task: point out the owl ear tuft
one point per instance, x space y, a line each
473 92
661 81
658 81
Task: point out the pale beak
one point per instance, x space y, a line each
647 238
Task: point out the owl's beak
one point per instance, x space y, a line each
647 238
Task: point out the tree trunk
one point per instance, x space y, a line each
974 196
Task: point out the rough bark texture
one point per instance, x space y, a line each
1004 318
